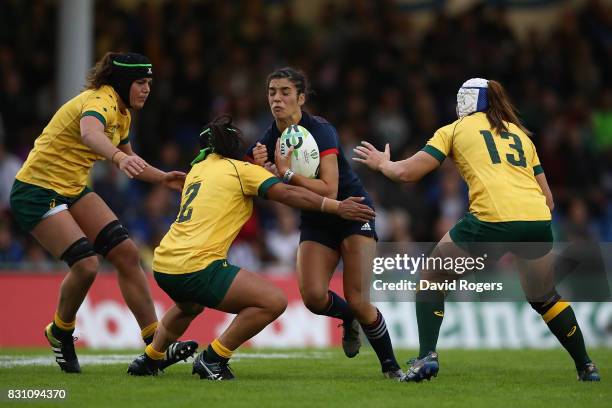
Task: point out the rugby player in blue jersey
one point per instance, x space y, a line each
326 238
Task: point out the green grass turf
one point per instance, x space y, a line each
471 378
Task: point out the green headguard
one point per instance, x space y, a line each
205 140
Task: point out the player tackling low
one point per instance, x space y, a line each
190 262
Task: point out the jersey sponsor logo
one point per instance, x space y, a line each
571 332
366 227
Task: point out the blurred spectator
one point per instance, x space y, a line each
399 226
602 123
37 259
11 251
283 240
390 124
577 226
156 214
9 166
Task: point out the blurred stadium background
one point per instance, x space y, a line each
382 71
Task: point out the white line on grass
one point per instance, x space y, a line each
106 359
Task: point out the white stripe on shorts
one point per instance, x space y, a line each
55 210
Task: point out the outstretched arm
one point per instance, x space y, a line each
93 136
133 166
299 197
171 179
409 170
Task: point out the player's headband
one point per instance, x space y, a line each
207 144
126 69
472 97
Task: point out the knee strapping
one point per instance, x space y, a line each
80 249
110 236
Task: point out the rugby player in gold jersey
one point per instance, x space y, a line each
509 202
190 262
51 200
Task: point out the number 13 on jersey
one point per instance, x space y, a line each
517 146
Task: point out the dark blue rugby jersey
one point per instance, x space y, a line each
328 142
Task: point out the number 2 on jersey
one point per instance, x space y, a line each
521 161
186 210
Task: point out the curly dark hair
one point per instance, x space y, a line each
101 72
223 137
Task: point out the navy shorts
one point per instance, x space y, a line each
332 231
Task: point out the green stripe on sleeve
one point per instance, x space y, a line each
263 188
95 114
124 141
434 152
537 170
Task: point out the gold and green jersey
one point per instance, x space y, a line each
499 169
59 160
217 200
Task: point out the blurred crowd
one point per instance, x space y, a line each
374 77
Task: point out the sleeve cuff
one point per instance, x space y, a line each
333 150
537 170
434 152
95 114
262 191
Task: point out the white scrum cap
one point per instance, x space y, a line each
472 97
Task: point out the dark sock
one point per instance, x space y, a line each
61 334
379 338
430 313
338 308
566 329
148 340
212 357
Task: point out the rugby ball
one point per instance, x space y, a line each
305 159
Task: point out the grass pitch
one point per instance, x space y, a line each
296 378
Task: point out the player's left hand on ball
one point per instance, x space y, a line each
283 162
350 209
370 156
174 180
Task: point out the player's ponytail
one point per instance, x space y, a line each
222 137
501 110
100 74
